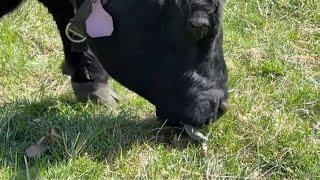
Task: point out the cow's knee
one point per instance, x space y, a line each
98 92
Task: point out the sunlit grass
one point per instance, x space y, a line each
271 130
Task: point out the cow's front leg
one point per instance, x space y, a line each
89 79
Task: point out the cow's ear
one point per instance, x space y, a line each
205 18
104 2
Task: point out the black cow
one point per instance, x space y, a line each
167 51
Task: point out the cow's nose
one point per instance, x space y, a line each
220 108
223 107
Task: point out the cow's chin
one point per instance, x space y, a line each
196 109
199 118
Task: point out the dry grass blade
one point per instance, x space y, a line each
43 144
36 151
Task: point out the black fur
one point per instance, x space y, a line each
167 51
154 53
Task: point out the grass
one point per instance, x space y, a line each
272 130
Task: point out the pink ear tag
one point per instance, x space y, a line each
99 23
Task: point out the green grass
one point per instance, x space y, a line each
272 49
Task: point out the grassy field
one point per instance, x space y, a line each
271 131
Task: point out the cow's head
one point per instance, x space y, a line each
170 53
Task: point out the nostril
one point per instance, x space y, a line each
223 107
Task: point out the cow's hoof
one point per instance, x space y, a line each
95 92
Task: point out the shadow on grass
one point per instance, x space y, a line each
98 132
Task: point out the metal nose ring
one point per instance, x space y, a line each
70 32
